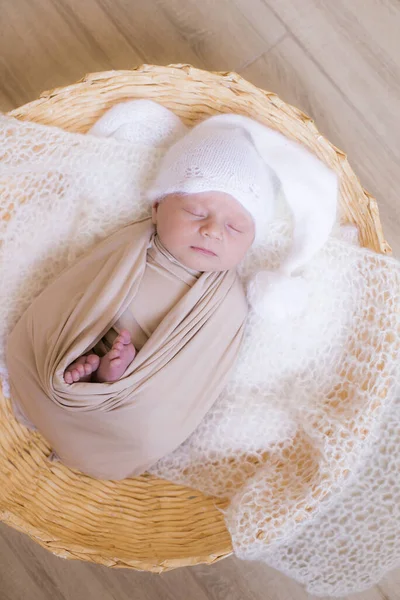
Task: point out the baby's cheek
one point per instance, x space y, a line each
189 229
237 252
182 233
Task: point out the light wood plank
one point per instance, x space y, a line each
238 32
357 45
28 571
43 46
50 43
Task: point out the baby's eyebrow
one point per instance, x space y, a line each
192 201
197 207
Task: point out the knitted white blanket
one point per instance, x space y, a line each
305 440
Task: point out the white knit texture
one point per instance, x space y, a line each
305 439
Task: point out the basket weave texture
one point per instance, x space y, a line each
145 523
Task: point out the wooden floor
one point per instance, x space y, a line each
338 60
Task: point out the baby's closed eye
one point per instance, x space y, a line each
235 228
195 213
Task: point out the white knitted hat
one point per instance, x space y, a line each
238 155
221 158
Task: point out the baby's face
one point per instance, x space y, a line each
209 231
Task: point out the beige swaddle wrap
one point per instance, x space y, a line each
165 281
115 430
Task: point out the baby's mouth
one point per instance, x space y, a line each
203 251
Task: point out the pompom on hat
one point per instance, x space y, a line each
237 155
143 120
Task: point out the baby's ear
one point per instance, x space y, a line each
154 211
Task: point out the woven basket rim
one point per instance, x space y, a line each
219 80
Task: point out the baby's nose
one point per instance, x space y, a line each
211 230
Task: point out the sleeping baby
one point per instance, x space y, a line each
206 199
121 357
194 233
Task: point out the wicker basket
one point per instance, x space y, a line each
145 523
